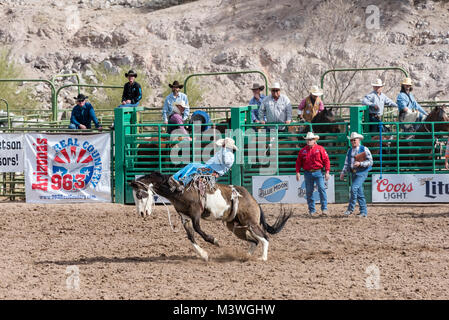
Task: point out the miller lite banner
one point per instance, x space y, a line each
285 189
67 168
410 188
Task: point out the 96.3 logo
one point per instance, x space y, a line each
72 169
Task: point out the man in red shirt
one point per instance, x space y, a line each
313 159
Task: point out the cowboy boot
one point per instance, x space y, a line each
175 185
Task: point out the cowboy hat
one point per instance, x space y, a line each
80 97
228 143
131 73
256 86
355 135
276 85
314 90
377 83
407 81
310 136
176 85
179 103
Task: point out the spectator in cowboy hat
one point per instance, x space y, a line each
132 91
409 108
256 100
313 158
359 161
175 95
276 107
216 166
376 101
83 114
312 105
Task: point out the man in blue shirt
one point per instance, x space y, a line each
83 114
409 108
376 101
256 100
176 95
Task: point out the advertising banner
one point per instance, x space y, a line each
67 168
285 189
11 152
410 188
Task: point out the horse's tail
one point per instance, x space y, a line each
278 225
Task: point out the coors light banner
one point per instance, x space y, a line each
67 168
410 188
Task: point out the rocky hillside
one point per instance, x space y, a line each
291 41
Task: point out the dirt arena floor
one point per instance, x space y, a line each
115 254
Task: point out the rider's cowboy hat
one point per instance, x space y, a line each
131 73
377 83
176 85
176 104
228 143
276 85
407 81
257 86
80 97
314 90
355 135
311 136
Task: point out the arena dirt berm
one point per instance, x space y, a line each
121 256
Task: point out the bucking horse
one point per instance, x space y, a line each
233 205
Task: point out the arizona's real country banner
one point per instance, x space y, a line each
410 188
67 168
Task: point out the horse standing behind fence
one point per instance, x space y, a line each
233 205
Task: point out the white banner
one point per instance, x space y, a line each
11 152
285 189
67 168
410 188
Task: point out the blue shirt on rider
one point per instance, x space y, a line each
222 161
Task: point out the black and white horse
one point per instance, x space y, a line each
233 205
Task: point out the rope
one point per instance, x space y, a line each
149 188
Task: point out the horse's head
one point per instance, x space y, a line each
438 113
143 197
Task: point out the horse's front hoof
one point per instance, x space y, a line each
216 242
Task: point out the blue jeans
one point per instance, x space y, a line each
357 194
185 175
311 178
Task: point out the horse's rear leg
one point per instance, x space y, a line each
188 226
205 236
256 232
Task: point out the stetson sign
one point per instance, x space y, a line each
285 189
410 188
